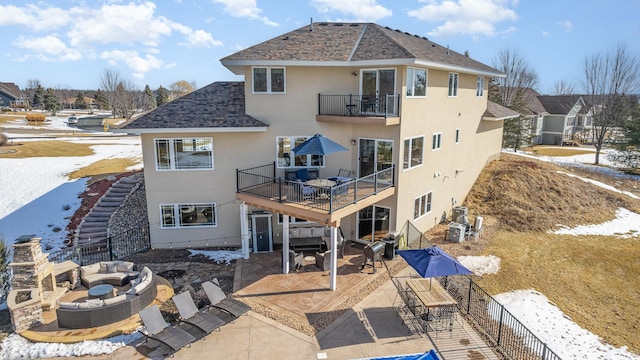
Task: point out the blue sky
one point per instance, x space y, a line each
70 43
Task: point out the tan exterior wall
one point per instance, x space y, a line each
293 114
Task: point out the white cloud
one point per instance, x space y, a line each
545 33
362 10
47 48
567 25
245 8
34 17
201 38
465 17
138 64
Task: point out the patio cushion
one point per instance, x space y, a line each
115 300
294 233
125 266
103 267
317 231
112 267
69 305
305 232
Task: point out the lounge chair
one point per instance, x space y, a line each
190 314
157 329
219 300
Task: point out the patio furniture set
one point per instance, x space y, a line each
219 312
105 304
314 238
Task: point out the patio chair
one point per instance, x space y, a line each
295 260
219 300
302 175
189 313
307 192
157 329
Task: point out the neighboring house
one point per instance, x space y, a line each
413 114
558 119
11 96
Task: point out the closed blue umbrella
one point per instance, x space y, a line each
432 262
318 145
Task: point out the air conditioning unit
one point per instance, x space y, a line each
456 232
460 210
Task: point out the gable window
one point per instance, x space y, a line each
268 80
457 136
416 82
480 86
437 140
413 152
286 157
174 216
184 154
422 205
453 84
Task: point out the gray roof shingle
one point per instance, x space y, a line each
498 112
558 104
353 42
217 105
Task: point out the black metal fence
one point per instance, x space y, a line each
509 335
118 245
359 105
261 181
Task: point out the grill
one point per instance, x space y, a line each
372 253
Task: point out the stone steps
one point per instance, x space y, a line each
94 226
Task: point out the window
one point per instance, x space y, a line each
184 154
268 80
416 82
457 136
480 86
294 220
422 205
453 84
187 215
413 152
286 157
437 139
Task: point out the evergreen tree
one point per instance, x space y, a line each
162 96
38 95
5 273
149 101
101 100
80 103
51 102
516 132
628 149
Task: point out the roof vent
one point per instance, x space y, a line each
323 24
388 28
338 24
354 24
433 45
287 38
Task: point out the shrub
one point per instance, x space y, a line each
36 117
5 272
4 140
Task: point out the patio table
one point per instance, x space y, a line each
430 293
326 183
104 291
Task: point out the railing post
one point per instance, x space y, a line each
110 247
469 297
237 180
544 351
319 105
279 189
355 191
500 324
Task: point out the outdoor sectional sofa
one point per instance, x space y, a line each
96 312
308 238
116 273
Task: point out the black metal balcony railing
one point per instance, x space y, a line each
261 181
359 105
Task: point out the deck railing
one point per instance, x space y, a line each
261 181
359 105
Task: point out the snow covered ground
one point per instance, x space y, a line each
36 192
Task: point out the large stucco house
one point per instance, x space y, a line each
218 163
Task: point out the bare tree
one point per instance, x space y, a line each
563 87
608 79
32 85
181 87
109 84
512 92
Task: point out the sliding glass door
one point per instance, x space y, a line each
373 223
374 155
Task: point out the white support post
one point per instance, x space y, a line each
334 259
244 229
285 244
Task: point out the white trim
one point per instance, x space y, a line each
178 221
410 157
457 84
268 80
191 130
238 66
439 135
426 79
426 201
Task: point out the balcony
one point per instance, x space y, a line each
359 109
259 187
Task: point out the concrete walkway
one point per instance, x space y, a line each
371 329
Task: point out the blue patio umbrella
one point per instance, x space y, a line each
432 262
318 144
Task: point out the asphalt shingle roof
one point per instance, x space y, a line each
558 104
220 104
351 42
497 111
